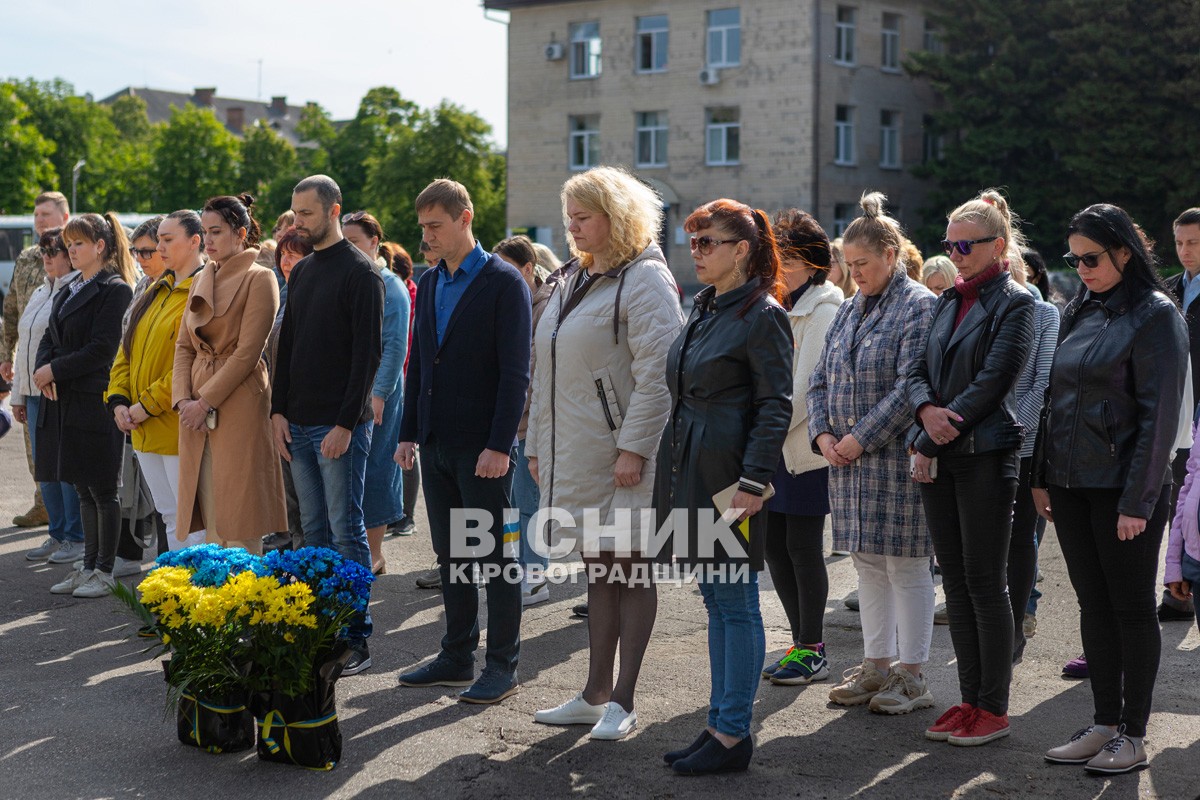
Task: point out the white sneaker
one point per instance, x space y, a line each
902 692
534 593
75 578
98 584
575 711
615 724
124 567
43 550
67 552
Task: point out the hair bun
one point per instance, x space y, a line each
872 204
246 198
993 198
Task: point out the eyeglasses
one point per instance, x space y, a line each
353 216
51 252
705 244
143 253
1089 260
963 246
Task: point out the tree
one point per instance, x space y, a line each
382 114
195 158
268 172
25 155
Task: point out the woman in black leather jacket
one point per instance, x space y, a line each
1103 464
730 376
966 456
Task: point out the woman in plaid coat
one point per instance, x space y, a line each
859 418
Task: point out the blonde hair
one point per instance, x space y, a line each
939 265
837 257
633 209
991 213
546 258
876 230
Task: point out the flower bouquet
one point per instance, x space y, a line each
295 666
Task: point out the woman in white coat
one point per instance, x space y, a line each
598 408
796 514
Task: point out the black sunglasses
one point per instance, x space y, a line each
143 252
1089 260
963 246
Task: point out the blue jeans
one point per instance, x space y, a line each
1191 574
60 498
737 646
383 492
526 497
330 491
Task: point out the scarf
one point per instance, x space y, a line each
968 290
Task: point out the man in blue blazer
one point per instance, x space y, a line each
468 376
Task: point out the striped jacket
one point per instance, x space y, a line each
1035 375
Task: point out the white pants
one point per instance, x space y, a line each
162 476
895 598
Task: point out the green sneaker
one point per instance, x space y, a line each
800 666
768 671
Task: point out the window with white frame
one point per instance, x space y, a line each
890 57
723 137
585 49
843 40
889 139
652 44
934 142
933 40
585 141
843 213
725 37
843 140
651 138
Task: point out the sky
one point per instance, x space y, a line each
309 50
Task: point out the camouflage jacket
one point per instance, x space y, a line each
28 274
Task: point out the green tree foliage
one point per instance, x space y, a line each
1065 103
382 113
268 172
195 158
25 155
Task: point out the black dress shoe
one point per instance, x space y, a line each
1169 613
580 610
714 758
676 755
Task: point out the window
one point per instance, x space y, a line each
652 44
933 41
725 37
585 49
585 141
889 139
843 52
890 58
723 137
843 141
652 138
843 213
934 142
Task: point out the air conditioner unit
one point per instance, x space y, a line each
710 76
554 51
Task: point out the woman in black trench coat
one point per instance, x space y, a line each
730 376
77 440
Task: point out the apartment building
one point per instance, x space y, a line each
772 102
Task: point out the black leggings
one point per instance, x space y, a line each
1116 583
1022 556
796 557
100 513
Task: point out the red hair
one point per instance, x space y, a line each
750 224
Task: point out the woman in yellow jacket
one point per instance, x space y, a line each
139 389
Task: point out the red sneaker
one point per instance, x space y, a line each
949 722
980 727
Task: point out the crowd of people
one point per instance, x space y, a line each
189 381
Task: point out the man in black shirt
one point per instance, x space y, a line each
330 344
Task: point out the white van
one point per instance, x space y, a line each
16 233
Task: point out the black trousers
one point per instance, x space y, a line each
411 483
796 557
1022 555
451 486
100 513
1116 583
969 509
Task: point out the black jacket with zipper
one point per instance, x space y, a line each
973 369
1112 405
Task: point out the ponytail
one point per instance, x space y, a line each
120 261
753 226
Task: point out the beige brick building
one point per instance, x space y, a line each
771 102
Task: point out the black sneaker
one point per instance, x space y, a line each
360 660
580 610
492 687
404 527
439 672
714 758
430 580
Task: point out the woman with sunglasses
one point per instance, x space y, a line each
730 376
62 503
966 456
1102 472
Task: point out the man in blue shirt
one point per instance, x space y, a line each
467 378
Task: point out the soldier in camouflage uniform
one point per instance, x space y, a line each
50 210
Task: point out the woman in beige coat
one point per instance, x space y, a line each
598 408
230 481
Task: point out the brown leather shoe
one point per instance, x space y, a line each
32 518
